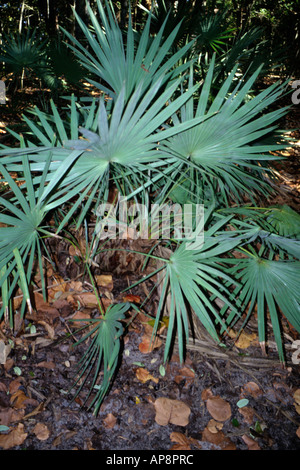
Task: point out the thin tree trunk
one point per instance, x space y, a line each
21 16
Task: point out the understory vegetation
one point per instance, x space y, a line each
181 118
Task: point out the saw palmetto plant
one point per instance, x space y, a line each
158 136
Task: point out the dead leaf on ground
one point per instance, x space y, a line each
15 384
143 375
218 439
44 307
206 393
80 319
244 340
105 280
132 298
185 374
9 415
251 388
219 409
296 397
214 426
46 364
14 438
110 421
20 400
248 414
171 411
251 443
50 330
147 345
4 351
183 442
41 431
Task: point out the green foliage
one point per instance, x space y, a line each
158 137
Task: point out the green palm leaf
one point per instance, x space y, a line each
114 61
271 285
227 148
103 352
194 275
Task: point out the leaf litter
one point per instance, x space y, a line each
190 406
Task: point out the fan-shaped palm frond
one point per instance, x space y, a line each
229 147
193 276
269 285
24 53
116 62
103 352
22 229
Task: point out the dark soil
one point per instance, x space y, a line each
48 372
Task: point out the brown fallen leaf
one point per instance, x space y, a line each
219 409
206 393
20 400
248 414
147 345
251 443
41 431
296 397
80 319
110 421
14 438
182 442
251 388
4 351
171 411
143 375
50 330
46 364
244 340
218 439
185 374
9 415
214 426
105 280
15 384
132 298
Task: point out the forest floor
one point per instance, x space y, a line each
219 399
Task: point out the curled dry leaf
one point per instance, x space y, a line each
171 411
14 438
41 431
219 409
20 400
143 375
244 340
132 298
248 414
110 421
218 439
251 388
146 345
182 442
296 354
251 443
214 426
105 280
206 393
296 397
185 374
4 351
10 415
